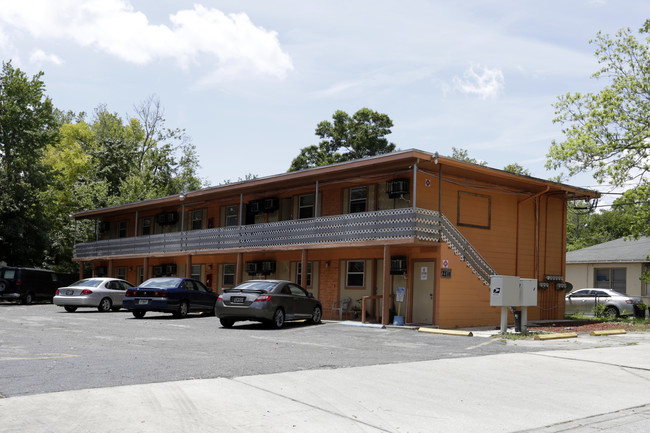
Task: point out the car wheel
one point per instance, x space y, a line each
278 319
139 314
611 312
183 309
3 285
70 308
28 299
227 323
105 305
316 315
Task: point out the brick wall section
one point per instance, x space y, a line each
328 290
331 203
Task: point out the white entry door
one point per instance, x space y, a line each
423 280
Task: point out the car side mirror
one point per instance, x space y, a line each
310 295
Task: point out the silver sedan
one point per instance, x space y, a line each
102 293
615 304
270 301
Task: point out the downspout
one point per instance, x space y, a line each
534 196
316 202
415 176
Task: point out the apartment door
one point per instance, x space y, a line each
423 286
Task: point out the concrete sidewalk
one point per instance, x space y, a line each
567 390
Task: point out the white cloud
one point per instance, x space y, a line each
40 57
231 44
486 83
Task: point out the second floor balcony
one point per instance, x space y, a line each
386 225
339 229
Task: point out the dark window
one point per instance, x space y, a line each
610 278
231 216
355 273
146 226
358 199
196 272
306 206
123 226
197 220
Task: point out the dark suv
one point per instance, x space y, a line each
27 284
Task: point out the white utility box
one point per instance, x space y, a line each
528 291
504 291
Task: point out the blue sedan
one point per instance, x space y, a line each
178 296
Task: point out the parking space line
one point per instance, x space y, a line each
38 356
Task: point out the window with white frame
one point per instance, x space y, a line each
120 272
358 199
299 274
196 272
197 219
228 275
146 226
232 213
355 273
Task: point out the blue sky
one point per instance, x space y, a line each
250 80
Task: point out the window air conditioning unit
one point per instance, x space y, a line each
271 204
104 226
170 269
397 265
268 267
253 268
101 271
172 218
397 188
254 207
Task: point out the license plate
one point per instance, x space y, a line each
238 299
69 292
143 301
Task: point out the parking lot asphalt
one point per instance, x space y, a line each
595 384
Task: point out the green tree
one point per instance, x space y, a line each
347 138
587 227
27 126
516 169
463 155
112 161
608 133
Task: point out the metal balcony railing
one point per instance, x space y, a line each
406 223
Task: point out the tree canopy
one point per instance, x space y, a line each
27 126
347 138
54 163
608 133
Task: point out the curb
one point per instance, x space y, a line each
609 332
556 336
446 332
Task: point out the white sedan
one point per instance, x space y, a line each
102 293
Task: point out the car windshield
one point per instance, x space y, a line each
161 283
91 282
256 286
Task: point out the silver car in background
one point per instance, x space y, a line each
269 301
102 293
583 301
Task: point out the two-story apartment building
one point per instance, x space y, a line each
434 226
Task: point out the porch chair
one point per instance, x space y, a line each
341 306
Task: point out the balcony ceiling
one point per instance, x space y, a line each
397 163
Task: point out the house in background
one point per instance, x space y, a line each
616 265
433 226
